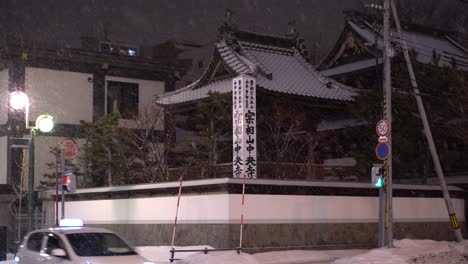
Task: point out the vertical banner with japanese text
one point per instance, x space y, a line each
244 127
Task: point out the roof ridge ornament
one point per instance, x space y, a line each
228 16
300 42
226 30
292 30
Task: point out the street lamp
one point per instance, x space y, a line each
44 123
19 100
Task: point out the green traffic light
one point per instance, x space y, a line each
379 183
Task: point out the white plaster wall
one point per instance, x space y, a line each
4 96
225 208
301 208
3 159
42 156
147 90
67 96
193 209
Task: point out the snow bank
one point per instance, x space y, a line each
408 251
380 256
224 257
162 254
290 257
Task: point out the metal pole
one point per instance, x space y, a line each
62 164
242 214
428 133
31 180
387 86
56 189
176 214
20 209
381 242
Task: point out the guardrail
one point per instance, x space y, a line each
204 250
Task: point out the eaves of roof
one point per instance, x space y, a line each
277 69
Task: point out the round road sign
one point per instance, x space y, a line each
382 151
382 128
69 148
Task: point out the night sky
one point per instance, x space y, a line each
147 22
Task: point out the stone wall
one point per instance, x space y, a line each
267 237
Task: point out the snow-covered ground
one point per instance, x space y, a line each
406 251
409 251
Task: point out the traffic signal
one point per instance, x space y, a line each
377 176
69 182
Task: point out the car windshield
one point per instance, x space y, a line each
98 244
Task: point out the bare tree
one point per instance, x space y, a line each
150 144
283 126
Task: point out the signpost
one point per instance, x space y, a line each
68 151
382 151
244 127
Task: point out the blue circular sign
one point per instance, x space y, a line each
382 151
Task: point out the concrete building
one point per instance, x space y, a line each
72 85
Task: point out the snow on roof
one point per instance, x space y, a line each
425 46
189 93
292 74
351 67
277 69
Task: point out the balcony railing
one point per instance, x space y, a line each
267 170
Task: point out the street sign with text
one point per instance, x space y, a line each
382 128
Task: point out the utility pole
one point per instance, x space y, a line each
387 86
427 132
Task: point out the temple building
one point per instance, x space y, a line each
441 65
297 106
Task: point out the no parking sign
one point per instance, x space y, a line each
382 151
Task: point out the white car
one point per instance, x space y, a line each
77 245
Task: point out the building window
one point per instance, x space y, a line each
123 97
115 48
